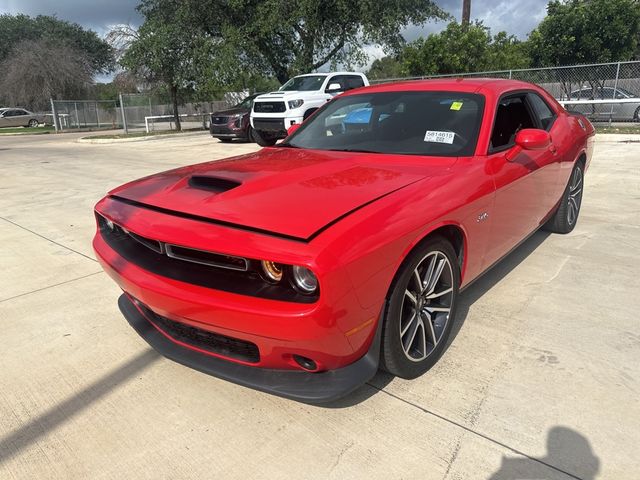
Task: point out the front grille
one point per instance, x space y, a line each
269 107
203 339
207 269
269 124
219 120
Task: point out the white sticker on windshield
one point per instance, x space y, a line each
435 136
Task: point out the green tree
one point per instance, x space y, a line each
463 49
15 29
164 53
385 67
586 31
284 38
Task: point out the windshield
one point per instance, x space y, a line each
411 123
247 102
304 84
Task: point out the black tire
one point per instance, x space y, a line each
404 302
250 137
264 139
636 115
565 218
33 123
226 140
308 113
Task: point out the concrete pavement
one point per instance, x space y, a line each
541 381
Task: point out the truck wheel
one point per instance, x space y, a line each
308 113
264 139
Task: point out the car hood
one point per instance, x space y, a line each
283 95
293 193
230 111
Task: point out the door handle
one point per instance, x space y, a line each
553 149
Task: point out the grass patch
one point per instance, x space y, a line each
27 130
621 129
141 134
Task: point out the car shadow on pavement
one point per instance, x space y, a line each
20 439
569 455
467 298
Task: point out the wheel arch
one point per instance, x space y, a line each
453 232
309 112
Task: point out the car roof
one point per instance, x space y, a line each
495 86
326 74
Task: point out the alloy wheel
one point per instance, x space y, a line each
426 306
575 196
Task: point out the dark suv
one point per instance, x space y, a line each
233 122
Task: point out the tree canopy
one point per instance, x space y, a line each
15 29
586 31
461 49
38 70
284 38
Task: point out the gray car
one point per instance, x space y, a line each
19 117
620 112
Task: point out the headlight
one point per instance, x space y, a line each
305 279
295 103
272 270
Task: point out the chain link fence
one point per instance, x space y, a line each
85 114
135 112
142 111
607 92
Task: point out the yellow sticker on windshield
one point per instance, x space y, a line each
456 106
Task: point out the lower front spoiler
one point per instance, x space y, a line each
314 388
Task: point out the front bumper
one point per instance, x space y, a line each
314 388
226 131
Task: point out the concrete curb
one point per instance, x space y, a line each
139 139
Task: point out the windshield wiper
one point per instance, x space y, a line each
286 145
357 150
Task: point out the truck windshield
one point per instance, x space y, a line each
304 84
410 123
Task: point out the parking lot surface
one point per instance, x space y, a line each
541 381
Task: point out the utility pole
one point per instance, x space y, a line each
466 12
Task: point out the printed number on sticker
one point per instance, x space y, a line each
434 136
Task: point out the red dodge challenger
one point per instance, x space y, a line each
301 269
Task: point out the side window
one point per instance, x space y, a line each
337 79
606 93
512 116
354 81
542 111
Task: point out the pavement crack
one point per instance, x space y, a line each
50 286
48 239
476 433
339 456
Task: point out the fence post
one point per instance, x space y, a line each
124 116
54 115
615 90
510 74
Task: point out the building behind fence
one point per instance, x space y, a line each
590 89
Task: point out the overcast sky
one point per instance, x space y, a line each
517 17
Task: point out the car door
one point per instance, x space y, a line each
8 119
21 118
524 180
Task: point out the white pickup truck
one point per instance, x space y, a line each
273 113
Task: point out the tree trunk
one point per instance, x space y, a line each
466 12
174 102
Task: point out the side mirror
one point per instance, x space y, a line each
533 139
293 128
334 87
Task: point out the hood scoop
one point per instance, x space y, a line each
212 184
